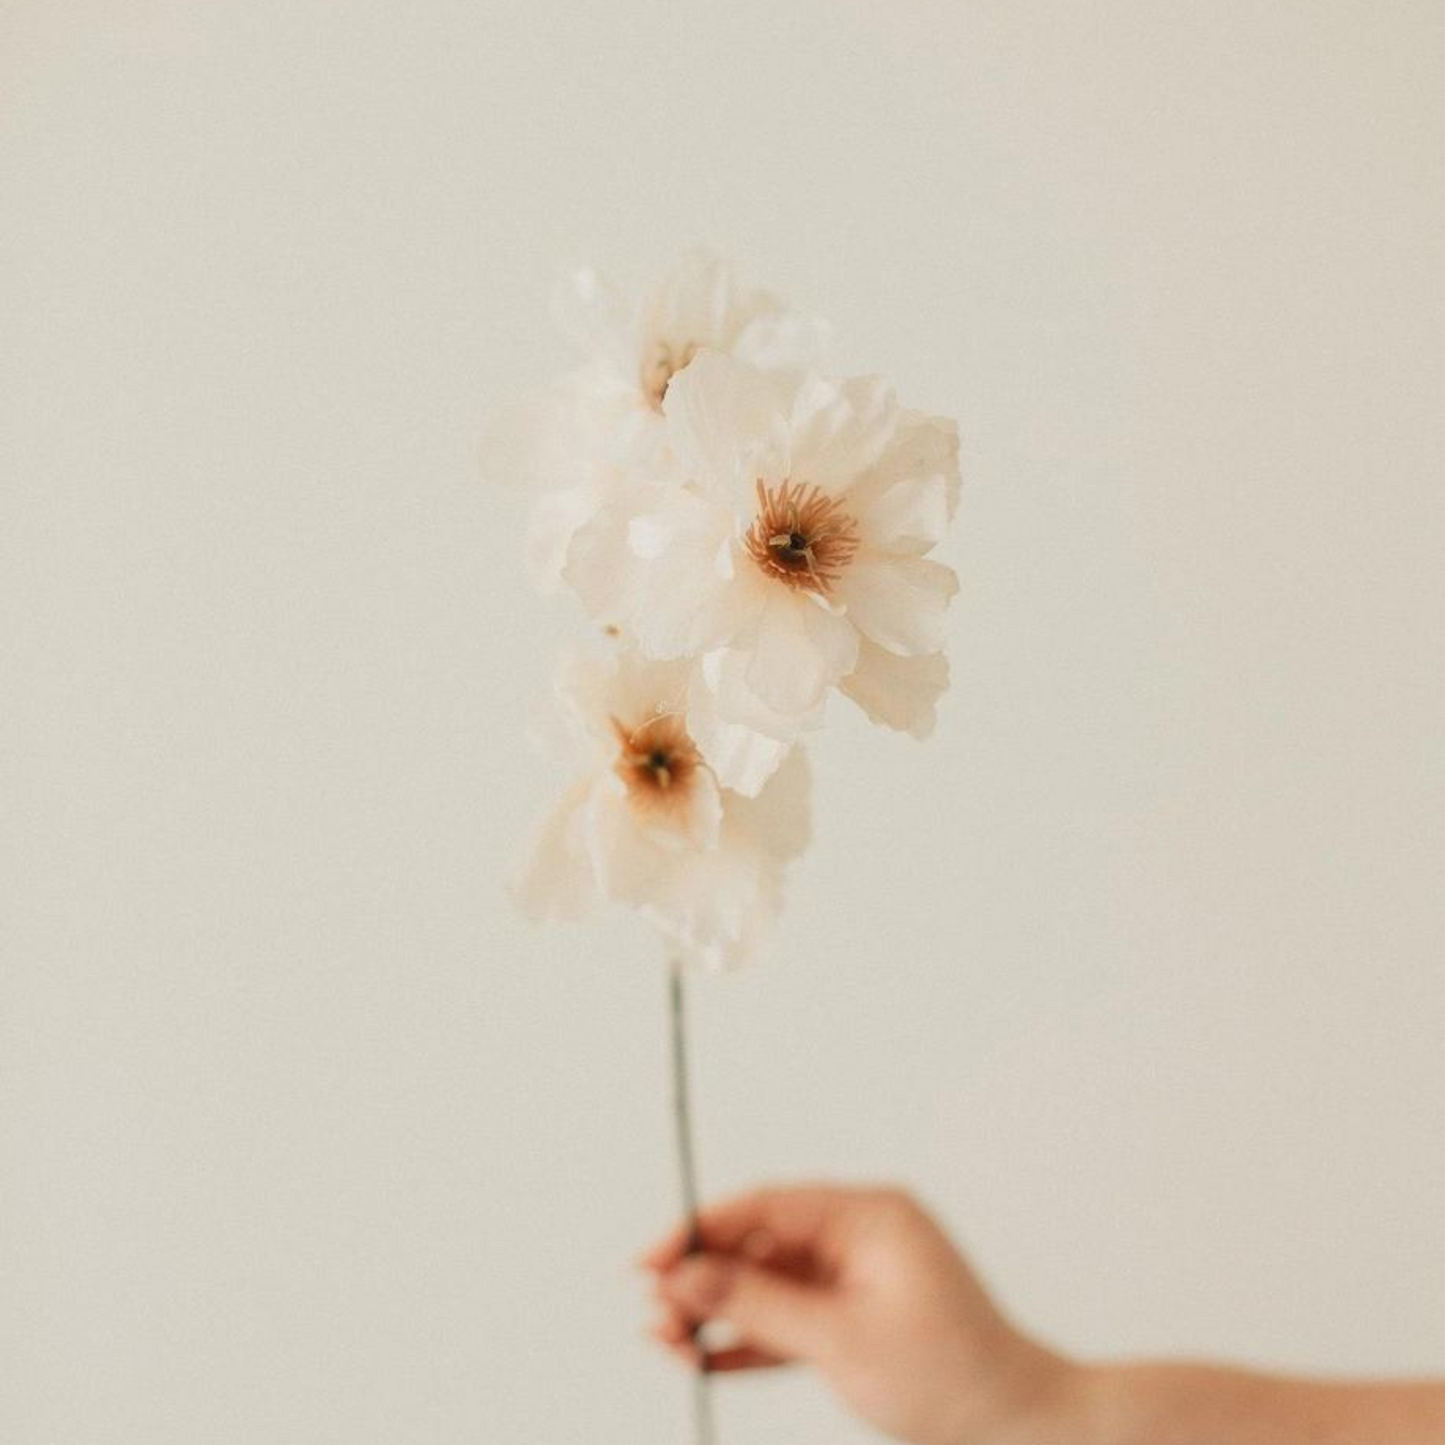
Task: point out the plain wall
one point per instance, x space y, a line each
1134 970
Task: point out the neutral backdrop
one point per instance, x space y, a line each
1134 970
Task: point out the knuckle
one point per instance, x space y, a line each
896 1203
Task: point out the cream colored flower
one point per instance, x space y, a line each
572 444
644 823
791 558
633 351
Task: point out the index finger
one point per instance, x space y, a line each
792 1218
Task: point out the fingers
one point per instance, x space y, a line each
675 1333
769 1266
742 1357
771 1313
759 1244
788 1219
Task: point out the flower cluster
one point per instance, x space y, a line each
753 534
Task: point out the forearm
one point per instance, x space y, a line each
1184 1404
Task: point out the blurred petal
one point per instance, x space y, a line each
780 817
727 423
779 340
899 692
743 758
840 429
628 860
639 855
551 525
553 438
600 568
585 688
743 754
698 820
688 605
596 318
555 878
719 910
704 864
695 306
640 687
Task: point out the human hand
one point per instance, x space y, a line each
865 1287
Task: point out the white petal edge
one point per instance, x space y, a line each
797 651
555 878
899 602
898 692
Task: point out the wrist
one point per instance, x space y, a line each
1050 1400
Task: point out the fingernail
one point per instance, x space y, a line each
699 1284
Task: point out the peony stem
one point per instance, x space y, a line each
701 1393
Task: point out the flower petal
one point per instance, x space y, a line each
900 602
744 749
719 909
778 339
555 437
696 305
640 688
697 819
899 692
610 582
779 819
797 650
629 861
921 446
910 517
583 688
556 878
840 429
637 853
553 522
661 565
727 424
720 912
596 317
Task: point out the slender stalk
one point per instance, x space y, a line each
701 1392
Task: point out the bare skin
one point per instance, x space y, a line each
863 1286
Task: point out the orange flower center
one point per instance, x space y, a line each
657 760
801 536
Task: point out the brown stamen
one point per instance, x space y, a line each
801 535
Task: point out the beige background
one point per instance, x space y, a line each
1135 970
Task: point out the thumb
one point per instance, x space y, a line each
771 1312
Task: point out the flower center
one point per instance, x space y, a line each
656 759
801 536
660 365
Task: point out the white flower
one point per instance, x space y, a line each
556 450
789 554
645 823
569 443
633 351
